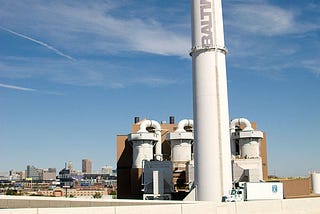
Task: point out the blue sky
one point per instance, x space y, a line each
73 74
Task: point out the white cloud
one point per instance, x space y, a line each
101 28
95 28
271 40
92 28
262 19
313 65
14 87
98 73
38 42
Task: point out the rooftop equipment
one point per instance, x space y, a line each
157 180
181 141
246 138
143 142
245 149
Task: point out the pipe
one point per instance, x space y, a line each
239 122
184 123
157 128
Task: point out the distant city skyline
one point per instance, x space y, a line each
73 75
66 165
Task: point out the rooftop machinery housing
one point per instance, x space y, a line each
148 169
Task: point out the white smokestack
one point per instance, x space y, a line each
210 102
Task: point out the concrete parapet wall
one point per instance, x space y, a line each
8 202
288 206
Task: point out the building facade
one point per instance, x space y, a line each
86 166
130 179
49 174
34 173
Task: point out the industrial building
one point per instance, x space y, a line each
136 152
166 161
248 160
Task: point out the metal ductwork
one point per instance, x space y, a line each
143 142
184 123
157 129
240 122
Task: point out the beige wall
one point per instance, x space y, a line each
263 155
297 187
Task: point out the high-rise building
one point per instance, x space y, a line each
49 174
86 166
70 165
34 173
106 170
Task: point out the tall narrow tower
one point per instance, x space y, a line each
86 166
210 102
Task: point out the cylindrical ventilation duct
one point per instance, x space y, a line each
181 150
240 122
181 142
249 148
241 131
142 147
157 130
142 150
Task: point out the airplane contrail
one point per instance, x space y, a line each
38 42
16 87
